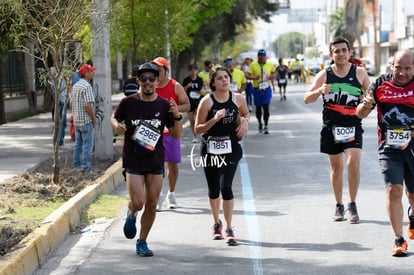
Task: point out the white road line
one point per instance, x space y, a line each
251 218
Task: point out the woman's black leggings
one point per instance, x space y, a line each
220 171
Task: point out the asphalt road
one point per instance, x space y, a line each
282 217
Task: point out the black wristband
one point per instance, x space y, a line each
178 118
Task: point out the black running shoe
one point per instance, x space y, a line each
230 238
217 228
410 228
339 213
353 212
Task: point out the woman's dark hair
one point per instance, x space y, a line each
213 74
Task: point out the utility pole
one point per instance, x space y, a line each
376 40
102 85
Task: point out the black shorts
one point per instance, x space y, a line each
329 146
194 104
398 167
284 84
142 173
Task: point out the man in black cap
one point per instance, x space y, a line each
131 85
142 118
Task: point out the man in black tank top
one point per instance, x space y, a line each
341 86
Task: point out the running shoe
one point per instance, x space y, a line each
339 213
130 229
353 212
250 108
265 130
400 247
143 250
260 128
410 228
160 202
171 202
217 228
284 97
230 238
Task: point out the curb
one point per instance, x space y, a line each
57 226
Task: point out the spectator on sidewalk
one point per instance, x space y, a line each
84 119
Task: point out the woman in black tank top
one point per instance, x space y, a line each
222 119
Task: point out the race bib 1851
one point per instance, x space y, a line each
219 145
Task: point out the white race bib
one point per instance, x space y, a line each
233 87
219 145
398 138
282 80
146 136
263 85
194 95
344 134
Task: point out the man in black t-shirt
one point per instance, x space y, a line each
142 118
193 84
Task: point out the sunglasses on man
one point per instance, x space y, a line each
144 78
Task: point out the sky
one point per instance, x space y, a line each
266 32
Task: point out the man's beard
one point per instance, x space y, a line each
148 92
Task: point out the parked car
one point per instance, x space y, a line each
313 65
369 66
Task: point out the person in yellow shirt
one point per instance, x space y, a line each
239 79
205 75
262 73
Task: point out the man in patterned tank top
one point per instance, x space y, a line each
341 86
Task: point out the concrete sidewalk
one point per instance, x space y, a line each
23 145
27 142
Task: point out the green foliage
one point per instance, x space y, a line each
104 206
291 44
8 24
337 25
227 33
140 28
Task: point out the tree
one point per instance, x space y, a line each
8 27
354 15
290 44
337 24
45 29
223 27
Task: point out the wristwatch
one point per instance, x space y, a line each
178 118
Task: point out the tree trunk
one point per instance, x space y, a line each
2 108
31 95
